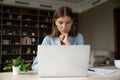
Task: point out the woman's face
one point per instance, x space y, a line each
64 24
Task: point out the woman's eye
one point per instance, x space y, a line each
60 22
68 22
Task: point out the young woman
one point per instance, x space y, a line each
64 31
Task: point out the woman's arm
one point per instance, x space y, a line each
46 41
35 64
79 39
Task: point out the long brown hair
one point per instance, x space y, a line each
61 12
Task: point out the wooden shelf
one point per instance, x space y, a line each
10 54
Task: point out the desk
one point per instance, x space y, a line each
33 76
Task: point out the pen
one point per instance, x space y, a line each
91 70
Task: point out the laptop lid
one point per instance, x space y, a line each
63 60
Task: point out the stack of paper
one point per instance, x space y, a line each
100 71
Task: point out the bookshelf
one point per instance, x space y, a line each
22 29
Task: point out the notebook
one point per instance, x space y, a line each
63 60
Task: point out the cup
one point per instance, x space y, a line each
117 63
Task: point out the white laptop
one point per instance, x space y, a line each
63 60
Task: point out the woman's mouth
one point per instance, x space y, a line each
65 31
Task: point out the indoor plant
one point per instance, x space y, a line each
17 65
107 60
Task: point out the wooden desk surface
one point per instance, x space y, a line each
34 76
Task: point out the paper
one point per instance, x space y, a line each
100 71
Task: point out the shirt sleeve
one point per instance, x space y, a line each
35 65
46 41
79 39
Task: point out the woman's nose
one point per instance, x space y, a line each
64 25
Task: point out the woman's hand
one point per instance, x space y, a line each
64 39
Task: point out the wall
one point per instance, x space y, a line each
97 26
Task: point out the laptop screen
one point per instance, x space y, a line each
63 60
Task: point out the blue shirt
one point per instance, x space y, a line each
78 40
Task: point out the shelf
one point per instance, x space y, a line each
10 44
29 44
27 14
13 19
11 54
10 25
30 26
31 54
5 63
45 15
29 36
17 35
23 54
10 12
27 20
